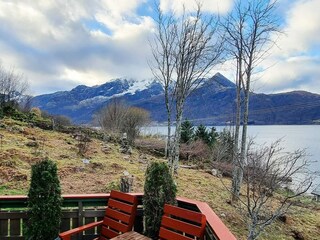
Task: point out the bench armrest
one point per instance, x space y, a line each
67 235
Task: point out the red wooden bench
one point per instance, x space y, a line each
181 224
119 217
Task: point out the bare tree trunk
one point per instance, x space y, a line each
177 136
168 144
236 168
252 234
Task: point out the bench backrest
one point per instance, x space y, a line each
181 224
119 216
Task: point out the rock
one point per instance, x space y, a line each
32 144
143 157
214 172
125 148
223 215
32 138
283 218
129 151
144 161
106 148
297 235
20 177
95 165
86 161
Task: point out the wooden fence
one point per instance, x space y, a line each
81 209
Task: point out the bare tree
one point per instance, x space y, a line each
249 31
222 150
25 104
12 86
163 46
266 196
118 118
112 116
134 120
188 49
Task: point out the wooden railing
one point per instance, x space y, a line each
81 209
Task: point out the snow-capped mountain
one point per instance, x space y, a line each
212 103
82 102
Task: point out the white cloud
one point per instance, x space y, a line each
59 44
213 6
74 42
295 63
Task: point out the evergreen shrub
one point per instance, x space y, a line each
187 132
159 188
44 202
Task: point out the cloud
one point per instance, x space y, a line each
294 64
59 44
293 73
212 6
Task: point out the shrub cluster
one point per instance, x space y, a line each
189 134
205 145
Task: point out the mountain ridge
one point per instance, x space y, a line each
213 101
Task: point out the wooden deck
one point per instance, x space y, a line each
131 236
85 208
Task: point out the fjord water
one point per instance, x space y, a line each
293 137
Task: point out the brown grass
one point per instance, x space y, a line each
104 171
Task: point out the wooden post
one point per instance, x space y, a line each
80 218
126 183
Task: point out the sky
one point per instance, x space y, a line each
59 44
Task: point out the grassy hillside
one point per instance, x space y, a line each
19 150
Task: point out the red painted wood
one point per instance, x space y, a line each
170 235
181 226
101 238
190 222
114 217
108 233
123 196
118 215
183 213
66 235
120 227
120 205
221 231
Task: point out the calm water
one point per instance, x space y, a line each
293 137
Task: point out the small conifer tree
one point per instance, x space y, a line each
44 202
202 133
212 137
159 189
187 132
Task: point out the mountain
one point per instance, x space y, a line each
212 103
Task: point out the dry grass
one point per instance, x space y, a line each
105 169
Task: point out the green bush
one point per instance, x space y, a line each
201 133
44 202
187 132
159 188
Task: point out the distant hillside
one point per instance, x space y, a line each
212 103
